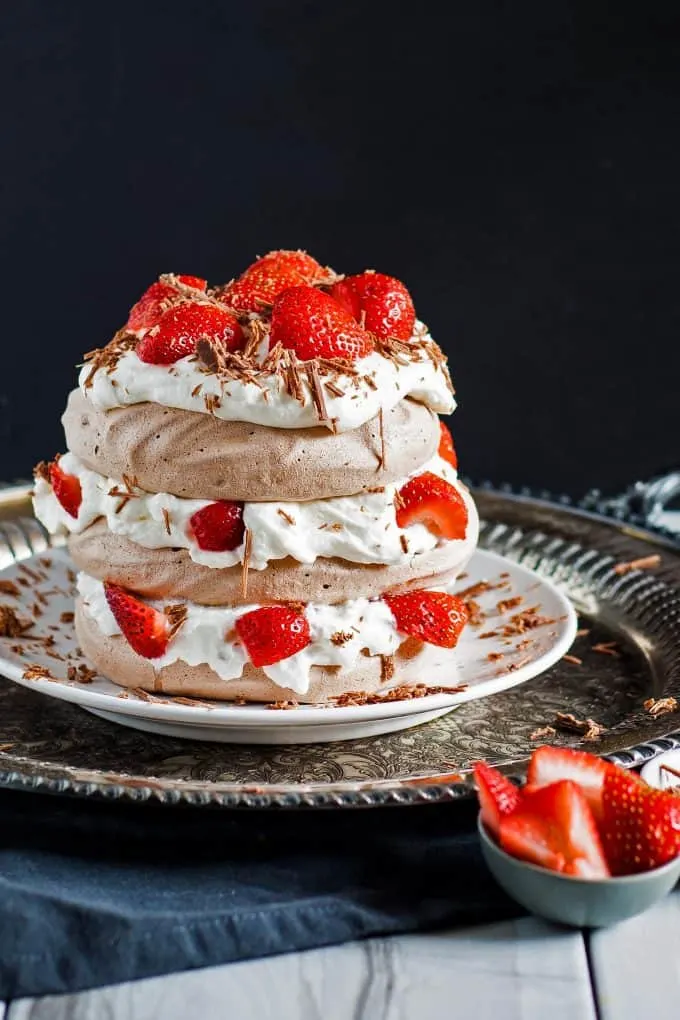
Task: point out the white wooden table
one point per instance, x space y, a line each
520 970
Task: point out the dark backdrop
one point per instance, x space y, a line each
517 164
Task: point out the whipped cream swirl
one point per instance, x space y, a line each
379 384
339 634
360 528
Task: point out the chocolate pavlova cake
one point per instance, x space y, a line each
258 494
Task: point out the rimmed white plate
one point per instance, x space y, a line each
486 665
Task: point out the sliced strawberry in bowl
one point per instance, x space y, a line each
447 450
430 500
381 303
146 629
550 764
312 324
640 825
555 828
497 795
432 616
263 281
218 527
178 331
273 633
157 299
66 488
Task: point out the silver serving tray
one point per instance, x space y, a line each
55 747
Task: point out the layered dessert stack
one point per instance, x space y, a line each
259 496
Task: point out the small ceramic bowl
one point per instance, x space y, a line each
579 902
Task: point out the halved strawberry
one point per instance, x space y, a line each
554 827
265 279
66 488
313 325
432 616
497 795
273 633
447 450
156 300
640 826
381 303
178 331
218 527
428 499
147 629
550 764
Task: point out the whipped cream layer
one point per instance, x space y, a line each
339 634
361 528
380 382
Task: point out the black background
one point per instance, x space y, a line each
516 164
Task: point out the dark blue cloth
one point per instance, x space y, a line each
93 893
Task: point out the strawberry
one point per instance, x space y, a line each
381 303
640 826
156 300
218 527
273 633
447 450
66 488
432 616
497 795
428 499
554 827
179 329
549 764
265 279
146 629
313 325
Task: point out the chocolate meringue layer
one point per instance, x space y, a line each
172 574
115 659
198 456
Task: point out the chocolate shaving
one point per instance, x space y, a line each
282 706
383 456
586 728
176 614
543 732
81 674
106 358
9 588
36 672
341 637
406 692
644 563
316 390
660 706
333 389
573 659
404 543
506 604
386 668
42 471
495 656
11 625
286 516
166 519
583 632
607 648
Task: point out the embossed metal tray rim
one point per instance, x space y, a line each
398 792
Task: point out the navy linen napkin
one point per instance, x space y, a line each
94 893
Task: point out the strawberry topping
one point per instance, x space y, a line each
179 329
147 629
447 450
497 795
381 303
264 280
313 325
156 300
273 633
550 764
428 499
640 826
66 488
218 527
554 827
432 616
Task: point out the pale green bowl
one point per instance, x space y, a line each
579 902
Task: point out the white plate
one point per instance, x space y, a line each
477 664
